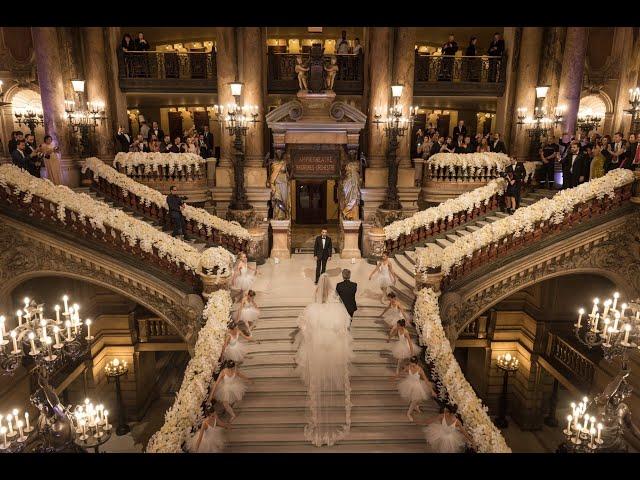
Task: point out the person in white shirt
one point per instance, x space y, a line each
357 48
342 45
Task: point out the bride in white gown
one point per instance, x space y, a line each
324 353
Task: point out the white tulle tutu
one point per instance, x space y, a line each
249 314
235 350
213 440
400 349
384 278
231 389
444 438
414 389
245 280
392 316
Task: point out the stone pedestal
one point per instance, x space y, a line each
211 172
213 283
430 279
246 218
385 216
374 244
257 245
350 235
281 234
419 171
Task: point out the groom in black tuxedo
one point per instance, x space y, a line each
322 251
346 290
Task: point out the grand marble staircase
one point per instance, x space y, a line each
272 415
404 263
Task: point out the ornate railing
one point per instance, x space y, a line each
436 173
452 75
167 71
511 243
155 330
161 215
48 212
578 367
282 77
163 173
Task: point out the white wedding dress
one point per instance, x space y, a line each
324 354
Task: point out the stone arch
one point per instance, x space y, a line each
592 100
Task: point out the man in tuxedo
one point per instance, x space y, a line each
155 130
496 49
15 138
322 251
497 145
449 49
123 140
208 140
437 144
346 290
165 144
460 129
34 162
175 147
19 158
618 150
573 167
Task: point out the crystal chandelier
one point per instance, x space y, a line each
588 121
539 124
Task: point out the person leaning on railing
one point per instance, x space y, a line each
496 49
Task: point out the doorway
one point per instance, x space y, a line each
311 202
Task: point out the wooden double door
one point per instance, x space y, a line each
311 201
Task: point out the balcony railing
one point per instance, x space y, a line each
578 368
451 75
167 71
156 330
282 77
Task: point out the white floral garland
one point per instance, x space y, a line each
472 162
186 410
216 257
152 196
486 438
523 220
463 203
152 160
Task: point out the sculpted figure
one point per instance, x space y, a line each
332 71
301 70
279 182
350 192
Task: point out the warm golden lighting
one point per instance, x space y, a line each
78 86
396 91
236 89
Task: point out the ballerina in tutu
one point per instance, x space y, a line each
445 433
414 386
394 311
230 387
243 277
404 347
210 437
233 348
386 276
248 312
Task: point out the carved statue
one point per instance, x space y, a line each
301 70
350 191
332 71
279 183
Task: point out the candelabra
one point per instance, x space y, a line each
580 436
114 370
588 121
83 121
539 125
31 339
634 100
91 425
236 119
17 433
395 126
508 364
29 116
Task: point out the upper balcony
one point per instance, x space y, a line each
168 72
282 77
457 76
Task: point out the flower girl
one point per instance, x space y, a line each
210 437
394 311
248 312
233 348
444 432
404 347
414 387
386 276
243 278
230 387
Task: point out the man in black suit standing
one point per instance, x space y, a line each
460 129
322 251
496 49
157 131
346 290
208 140
123 140
497 145
573 167
449 49
19 158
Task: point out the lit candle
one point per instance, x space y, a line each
627 329
592 432
106 420
33 345
599 431
586 421
615 323
26 302
580 313
40 311
606 327
88 323
57 309
4 332
19 314
569 418
594 325
26 419
9 418
43 330
65 299
19 422
15 342
3 430
616 295
595 306
607 304
68 325
593 421
56 332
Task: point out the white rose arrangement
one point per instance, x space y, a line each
150 161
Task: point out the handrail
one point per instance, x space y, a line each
574 361
431 55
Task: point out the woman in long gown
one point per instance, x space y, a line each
210 437
394 311
248 312
49 153
324 354
444 433
414 387
230 387
243 278
403 348
233 348
386 275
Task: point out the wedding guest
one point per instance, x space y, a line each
144 129
447 146
498 145
449 49
357 48
548 155
511 193
618 150
34 161
176 204
484 146
459 129
596 169
123 140
176 146
208 140
141 43
473 66
49 153
18 157
155 130
154 145
460 146
636 160
632 150
496 49
573 167
127 43
165 145
437 144
15 138
342 45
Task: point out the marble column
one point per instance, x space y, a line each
525 96
253 53
97 89
404 60
551 62
575 50
629 58
380 88
117 99
51 82
227 67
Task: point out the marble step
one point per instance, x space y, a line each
492 218
279 358
452 238
482 223
441 242
462 232
472 228
288 371
414 446
294 386
255 401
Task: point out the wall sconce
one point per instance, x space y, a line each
78 86
236 88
